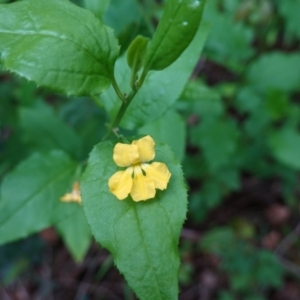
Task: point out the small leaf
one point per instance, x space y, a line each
142 236
136 53
280 71
160 89
175 31
30 195
58 45
230 41
46 131
290 12
75 232
285 145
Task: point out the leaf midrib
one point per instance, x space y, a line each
146 249
164 37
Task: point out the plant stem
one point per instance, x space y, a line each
125 104
119 116
117 90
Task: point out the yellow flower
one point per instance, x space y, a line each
74 196
140 179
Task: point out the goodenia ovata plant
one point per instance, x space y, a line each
132 191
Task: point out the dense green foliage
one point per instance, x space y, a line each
220 95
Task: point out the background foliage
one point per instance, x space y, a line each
234 126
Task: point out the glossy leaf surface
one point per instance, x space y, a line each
57 45
176 29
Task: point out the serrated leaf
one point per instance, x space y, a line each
160 89
30 195
169 128
46 131
58 45
142 236
175 31
75 232
285 145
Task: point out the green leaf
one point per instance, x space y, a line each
142 236
175 31
46 131
58 45
75 232
285 145
202 100
280 71
136 53
30 195
290 11
121 14
160 89
229 42
169 128
98 7
218 140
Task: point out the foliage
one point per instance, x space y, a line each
229 115
248 268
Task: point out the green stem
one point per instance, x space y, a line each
117 90
125 105
119 117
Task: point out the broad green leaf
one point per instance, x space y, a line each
160 89
169 128
75 232
142 236
30 195
98 7
176 29
136 53
58 45
285 145
280 71
46 131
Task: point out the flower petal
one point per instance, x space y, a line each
74 196
120 183
145 147
67 197
125 155
158 173
143 188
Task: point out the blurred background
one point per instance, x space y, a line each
236 131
